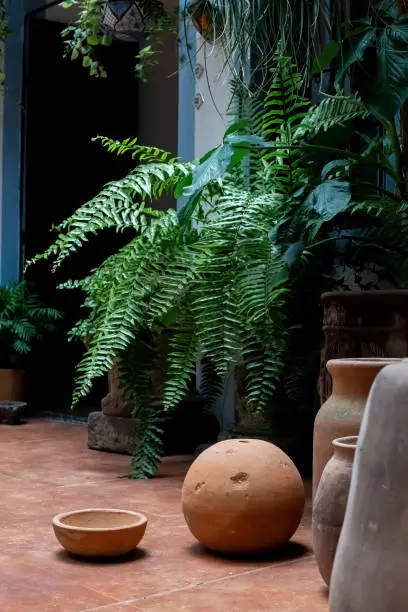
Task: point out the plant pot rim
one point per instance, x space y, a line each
12 370
140 520
381 294
362 362
347 442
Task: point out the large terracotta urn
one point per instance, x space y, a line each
370 572
329 505
243 496
341 415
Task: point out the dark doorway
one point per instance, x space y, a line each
64 108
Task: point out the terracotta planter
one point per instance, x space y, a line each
99 532
341 415
11 385
243 496
330 502
370 571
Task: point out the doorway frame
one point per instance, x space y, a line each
12 136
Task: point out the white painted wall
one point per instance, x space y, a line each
211 118
211 122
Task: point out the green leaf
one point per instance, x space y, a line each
93 40
238 127
334 165
323 61
329 199
386 93
292 253
355 55
210 170
388 8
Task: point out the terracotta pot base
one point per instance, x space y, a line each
11 385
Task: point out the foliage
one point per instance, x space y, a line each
87 34
374 54
376 46
226 274
252 30
4 32
23 321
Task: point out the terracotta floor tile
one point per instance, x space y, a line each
46 468
122 607
25 587
285 588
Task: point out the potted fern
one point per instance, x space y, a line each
235 275
23 322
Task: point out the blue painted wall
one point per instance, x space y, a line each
10 204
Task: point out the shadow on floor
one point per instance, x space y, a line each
136 555
325 592
287 552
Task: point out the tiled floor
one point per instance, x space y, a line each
46 468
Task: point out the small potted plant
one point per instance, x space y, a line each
99 22
23 322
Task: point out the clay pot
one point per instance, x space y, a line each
11 385
330 502
341 415
370 571
99 532
243 496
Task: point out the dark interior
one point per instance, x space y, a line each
64 109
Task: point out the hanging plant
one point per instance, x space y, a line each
99 22
206 19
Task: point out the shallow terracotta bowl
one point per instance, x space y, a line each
98 532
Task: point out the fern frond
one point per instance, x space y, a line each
121 204
135 367
335 111
143 153
182 363
285 109
211 385
119 293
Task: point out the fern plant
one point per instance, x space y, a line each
23 321
266 217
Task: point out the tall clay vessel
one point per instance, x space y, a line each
330 502
341 415
370 571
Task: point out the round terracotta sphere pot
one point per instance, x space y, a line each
243 496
